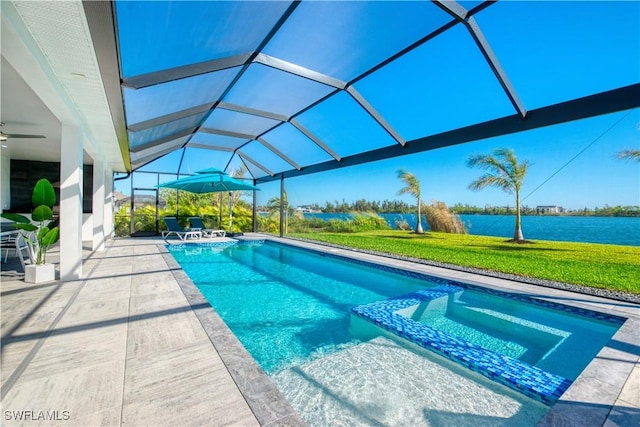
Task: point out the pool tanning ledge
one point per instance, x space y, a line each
522 377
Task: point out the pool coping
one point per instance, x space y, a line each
605 392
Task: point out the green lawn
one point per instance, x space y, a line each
600 266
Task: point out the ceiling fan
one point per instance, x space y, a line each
5 136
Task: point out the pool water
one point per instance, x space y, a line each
286 305
291 309
557 342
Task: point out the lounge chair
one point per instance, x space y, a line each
174 228
197 224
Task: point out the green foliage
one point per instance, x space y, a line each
618 211
622 211
610 267
386 206
268 224
21 221
412 187
504 172
49 237
43 195
630 155
206 206
40 235
356 224
296 223
42 213
313 223
121 222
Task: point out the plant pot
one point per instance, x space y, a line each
39 273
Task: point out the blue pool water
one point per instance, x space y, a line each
557 342
291 307
283 304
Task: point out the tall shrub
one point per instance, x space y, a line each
440 218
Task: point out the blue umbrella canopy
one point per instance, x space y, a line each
211 180
208 182
212 170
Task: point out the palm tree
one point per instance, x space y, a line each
412 188
629 155
273 207
234 196
504 172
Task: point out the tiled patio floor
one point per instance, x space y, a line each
123 347
135 344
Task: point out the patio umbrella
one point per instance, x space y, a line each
210 181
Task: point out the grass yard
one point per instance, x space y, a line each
600 266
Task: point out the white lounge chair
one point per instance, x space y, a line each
197 224
173 227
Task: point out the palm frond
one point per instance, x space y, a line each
629 155
503 170
489 180
412 184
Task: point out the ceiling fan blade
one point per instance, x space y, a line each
21 135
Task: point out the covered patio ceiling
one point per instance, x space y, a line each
292 88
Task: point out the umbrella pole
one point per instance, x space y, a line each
282 196
220 210
230 212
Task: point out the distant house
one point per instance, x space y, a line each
140 201
304 209
551 209
119 200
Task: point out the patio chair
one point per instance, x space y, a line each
173 227
14 241
197 224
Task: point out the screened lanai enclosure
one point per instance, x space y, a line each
274 90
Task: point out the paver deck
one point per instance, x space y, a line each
123 346
134 343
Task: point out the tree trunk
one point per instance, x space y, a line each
419 229
517 235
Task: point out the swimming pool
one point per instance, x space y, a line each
292 310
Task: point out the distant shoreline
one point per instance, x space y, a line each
565 228
400 207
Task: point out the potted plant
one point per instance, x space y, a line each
39 234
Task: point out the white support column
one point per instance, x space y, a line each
70 203
98 205
5 179
108 205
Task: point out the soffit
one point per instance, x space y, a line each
62 44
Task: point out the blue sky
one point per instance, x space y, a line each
552 52
595 178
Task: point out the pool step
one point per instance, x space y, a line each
537 339
522 377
